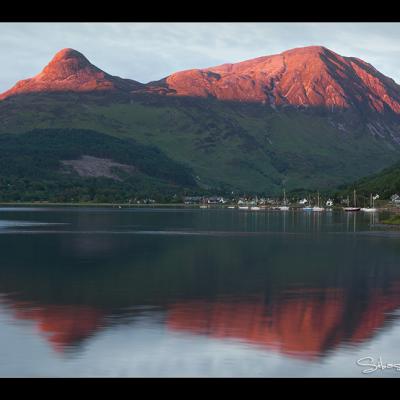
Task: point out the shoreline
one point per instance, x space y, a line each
387 225
386 208
393 221
109 205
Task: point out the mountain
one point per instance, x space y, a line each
309 77
306 118
305 77
71 71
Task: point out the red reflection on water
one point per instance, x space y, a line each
380 305
305 324
63 326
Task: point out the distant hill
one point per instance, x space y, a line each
70 165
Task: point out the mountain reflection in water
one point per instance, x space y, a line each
304 323
308 325
304 296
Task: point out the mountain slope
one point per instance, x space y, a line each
238 147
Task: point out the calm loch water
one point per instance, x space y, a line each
192 292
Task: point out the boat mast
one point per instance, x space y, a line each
355 201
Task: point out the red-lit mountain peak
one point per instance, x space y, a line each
71 71
309 76
67 63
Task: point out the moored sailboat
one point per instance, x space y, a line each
318 208
371 207
284 207
354 208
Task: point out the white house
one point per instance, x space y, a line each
395 199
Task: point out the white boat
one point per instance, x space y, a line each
318 208
308 208
243 207
372 203
285 207
255 208
352 209
231 206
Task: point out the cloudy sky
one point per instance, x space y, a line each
151 51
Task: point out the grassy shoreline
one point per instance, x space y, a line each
394 220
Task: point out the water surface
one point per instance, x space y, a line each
196 292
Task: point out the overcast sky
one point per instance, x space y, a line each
151 51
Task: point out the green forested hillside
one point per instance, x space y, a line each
228 146
37 166
385 183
